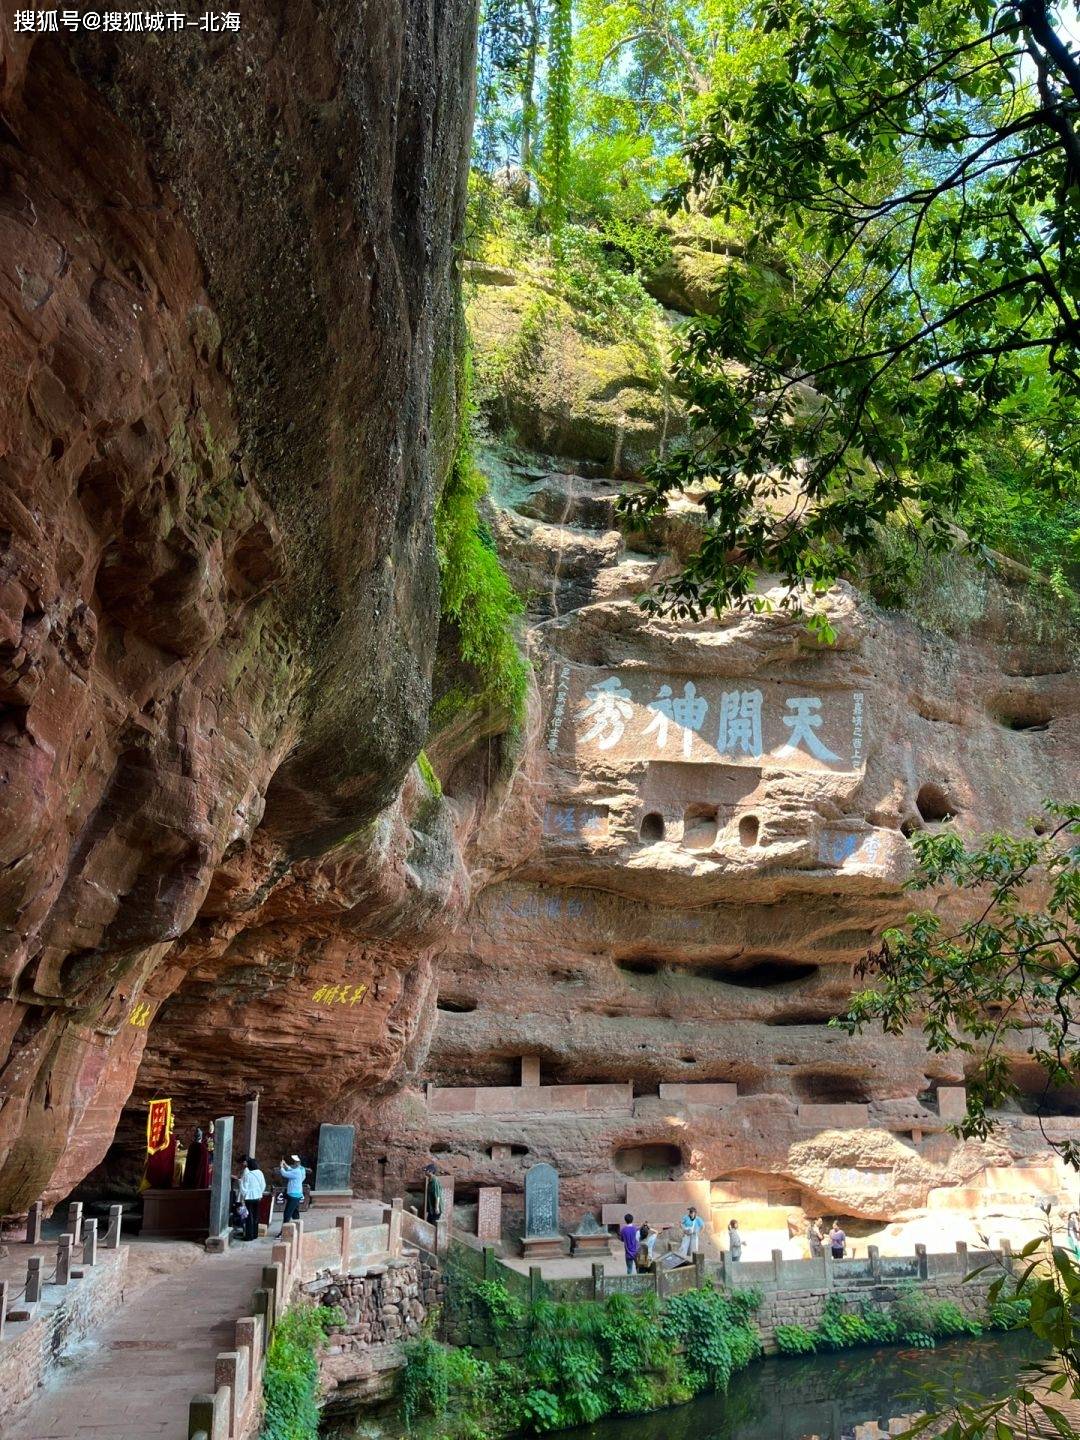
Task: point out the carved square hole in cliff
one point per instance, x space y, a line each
749 831
455 1005
700 826
503 1152
649 1161
652 828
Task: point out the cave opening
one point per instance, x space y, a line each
652 827
933 804
749 830
830 1087
761 974
454 1005
634 966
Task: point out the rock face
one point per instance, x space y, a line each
711 828
228 316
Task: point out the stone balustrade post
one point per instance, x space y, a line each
209 1415
875 1263
249 1336
962 1256
89 1247
397 1210
3 1306
597 1276
33 1280
344 1225
699 1270
489 1262
659 1282
273 1280
920 1260
536 1282
75 1221
116 1222
63 1259
778 1267
827 1262
35 1218
292 1237
229 1375
262 1302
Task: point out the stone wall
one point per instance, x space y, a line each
382 1303
806 1307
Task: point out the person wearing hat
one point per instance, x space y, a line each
433 1194
294 1175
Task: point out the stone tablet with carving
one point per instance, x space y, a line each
333 1170
541 1201
221 1178
489 1213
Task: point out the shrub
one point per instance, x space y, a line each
1008 1312
291 1376
795 1340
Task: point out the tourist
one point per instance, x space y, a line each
647 1238
1073 1228
837 1241
433 1194
628 1234
294 1175
816 1239
692 1226
734 1240
252 1188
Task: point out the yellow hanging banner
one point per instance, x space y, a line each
159 1124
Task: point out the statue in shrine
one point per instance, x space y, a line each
197 1163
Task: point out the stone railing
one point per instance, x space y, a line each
824 1273
232 1410
68 1290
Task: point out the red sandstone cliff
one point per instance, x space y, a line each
227 317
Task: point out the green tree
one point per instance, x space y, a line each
911 171
1000 987
555 167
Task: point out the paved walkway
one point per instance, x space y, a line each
135 1378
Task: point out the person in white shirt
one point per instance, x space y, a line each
692 1226
251 1189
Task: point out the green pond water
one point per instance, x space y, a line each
850 1396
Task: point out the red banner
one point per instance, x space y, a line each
159 1124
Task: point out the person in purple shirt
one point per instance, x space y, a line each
628 1234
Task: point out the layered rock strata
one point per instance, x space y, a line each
228 309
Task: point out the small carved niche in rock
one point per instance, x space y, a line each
749 830
762 973
933 804
1025 712
455 1005
652 1161
831 1087
634 966
699 827
652 827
